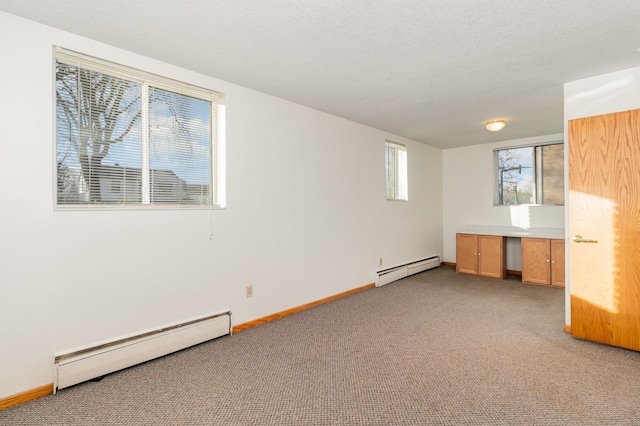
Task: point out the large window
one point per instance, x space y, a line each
530 175
395 158
124 137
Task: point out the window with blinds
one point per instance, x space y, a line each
126 138
396 171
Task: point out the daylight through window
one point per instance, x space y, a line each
396 171
124 137
530 175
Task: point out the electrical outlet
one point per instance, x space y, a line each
380 262
249 291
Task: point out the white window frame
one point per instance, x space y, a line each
217 156
537 179
396 171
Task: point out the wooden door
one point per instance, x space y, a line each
536 255
491 256
604 219
467 253
557 263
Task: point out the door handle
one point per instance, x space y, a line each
579 239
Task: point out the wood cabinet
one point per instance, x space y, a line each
543 261
481 255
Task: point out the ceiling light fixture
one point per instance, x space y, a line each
495 125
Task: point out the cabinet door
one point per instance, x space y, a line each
467 253
557 263
491 256
536 258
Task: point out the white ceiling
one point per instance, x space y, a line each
429 70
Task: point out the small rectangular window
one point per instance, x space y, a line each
125 137
530 175
396 171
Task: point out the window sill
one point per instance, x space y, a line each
133 207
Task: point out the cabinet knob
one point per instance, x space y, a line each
548 260
478 254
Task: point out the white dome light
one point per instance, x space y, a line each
495 125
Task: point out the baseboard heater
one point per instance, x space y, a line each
93 361
386 276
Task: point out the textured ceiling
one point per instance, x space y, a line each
429 70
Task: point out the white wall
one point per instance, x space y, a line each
468 194
603 94
306 218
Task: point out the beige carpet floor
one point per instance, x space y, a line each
435 348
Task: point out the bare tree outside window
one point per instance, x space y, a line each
95 111
123 140
530 175
515 176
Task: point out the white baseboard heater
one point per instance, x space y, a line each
89 362
386 276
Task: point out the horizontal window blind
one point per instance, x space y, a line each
125 138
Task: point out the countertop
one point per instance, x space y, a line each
513 231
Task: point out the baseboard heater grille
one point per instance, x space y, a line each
386 276
86 363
